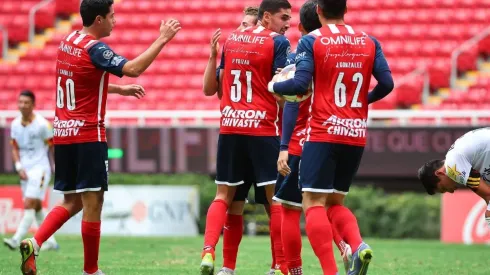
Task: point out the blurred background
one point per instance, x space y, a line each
163 147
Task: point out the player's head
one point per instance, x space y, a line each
332 9
308 18
434 179
27 101
250 19
98 15
275 15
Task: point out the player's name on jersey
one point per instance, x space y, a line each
242 118
240 61
349 65
344 40
70 50
247 38
65 72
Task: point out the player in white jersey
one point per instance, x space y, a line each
31 138
467 164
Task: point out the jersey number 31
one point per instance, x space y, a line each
70 94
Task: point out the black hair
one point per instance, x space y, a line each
427 175
308 16
30 94
90 9
333 9
272 6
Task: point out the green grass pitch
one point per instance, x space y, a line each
179 256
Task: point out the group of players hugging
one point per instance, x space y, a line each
297 140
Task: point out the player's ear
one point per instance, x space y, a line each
301 28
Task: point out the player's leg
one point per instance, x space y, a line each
289 194
342 219
51 243
317 171
233 229
32 191
229 175
263 153
92 182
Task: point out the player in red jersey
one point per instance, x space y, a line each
233 229
248 145
82 74
340 60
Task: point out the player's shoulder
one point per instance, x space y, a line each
16 122
41 119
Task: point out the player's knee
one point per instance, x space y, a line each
335 199
236 208
30 203
311 199
226 193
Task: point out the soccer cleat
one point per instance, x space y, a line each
347 258
98 272
360 260
279 272
49 246
207 264
226 271
11 243
29 254
271 272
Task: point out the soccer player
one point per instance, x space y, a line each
32 151
248 145
467 163
293 136
340 60
83 67
233 229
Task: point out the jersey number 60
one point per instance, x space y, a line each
70 94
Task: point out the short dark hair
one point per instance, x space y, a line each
272 6
333 9
308 16
427 175
90 9
252 11
30 94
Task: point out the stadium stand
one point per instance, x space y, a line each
418 38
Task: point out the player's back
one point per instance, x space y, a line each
343 62
81 92
247 107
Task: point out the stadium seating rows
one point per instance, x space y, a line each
414 34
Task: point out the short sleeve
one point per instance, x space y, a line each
458 168
104 58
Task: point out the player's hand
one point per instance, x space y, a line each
169 29
276 77
279 70
22 174
282 163
133 90
215 43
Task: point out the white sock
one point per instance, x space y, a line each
40 219
24 224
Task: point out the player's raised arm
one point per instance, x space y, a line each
211 74
382 73
137 66
304 70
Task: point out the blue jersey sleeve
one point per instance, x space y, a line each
282 48
289 117
104 58
382 73
221 64
291 59
305 66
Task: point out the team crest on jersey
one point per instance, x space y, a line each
108 54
